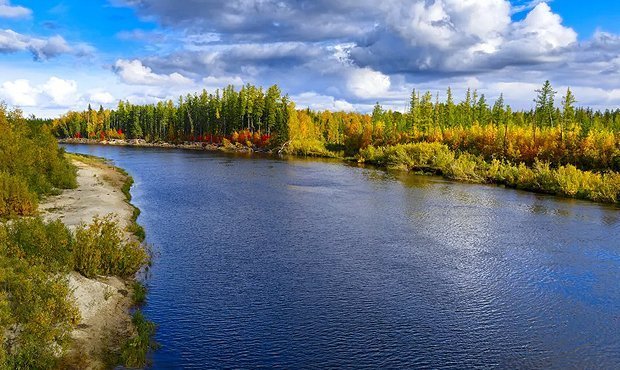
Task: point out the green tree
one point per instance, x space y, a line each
544 105
568 111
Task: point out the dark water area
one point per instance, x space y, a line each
305 263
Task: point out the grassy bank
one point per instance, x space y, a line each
436 158
541 177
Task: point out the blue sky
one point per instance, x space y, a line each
345 55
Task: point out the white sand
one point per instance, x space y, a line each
103 302
98 194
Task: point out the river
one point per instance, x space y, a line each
306 263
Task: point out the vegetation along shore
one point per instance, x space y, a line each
553 148
69 254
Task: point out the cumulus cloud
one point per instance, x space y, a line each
62 92
366 83
394 37
13 11
320 102
41 48
444 24
134 72
19 93
457 37
101 97
541 32
55 92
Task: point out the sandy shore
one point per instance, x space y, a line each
98 194
104 302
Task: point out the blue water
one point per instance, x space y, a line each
294 263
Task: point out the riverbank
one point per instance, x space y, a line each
141 143
104 302
437 159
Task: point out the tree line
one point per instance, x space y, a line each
555 130
195 117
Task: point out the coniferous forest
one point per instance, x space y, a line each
556 148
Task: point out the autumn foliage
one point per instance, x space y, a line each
560 136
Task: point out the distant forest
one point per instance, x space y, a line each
556 131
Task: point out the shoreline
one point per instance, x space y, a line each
420 169
105 303
199 146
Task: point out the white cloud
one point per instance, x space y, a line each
19 93
12 11
445 24
321 102
212 82
101 97
55 92
367 83
542 31
135 73
522 6
62 93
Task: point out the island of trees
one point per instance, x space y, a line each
554 148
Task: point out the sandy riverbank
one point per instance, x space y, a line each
104 303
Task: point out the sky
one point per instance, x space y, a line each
339 55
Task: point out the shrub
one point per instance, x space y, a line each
36 312
15 197
30 152
417 156
312 147
41 243
139 293
101 250
466 167
568 179
544 179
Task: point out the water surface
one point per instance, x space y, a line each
295 263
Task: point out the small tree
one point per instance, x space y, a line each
568 111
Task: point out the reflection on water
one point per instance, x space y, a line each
295 263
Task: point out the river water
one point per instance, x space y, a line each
304 263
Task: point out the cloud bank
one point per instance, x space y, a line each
340 55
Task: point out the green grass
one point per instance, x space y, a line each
139 293
134 351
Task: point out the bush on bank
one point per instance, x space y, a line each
36 309
541 177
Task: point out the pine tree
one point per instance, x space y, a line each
482 110
414 109
568 111
450 109
498 110
544 105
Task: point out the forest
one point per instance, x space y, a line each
556 147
